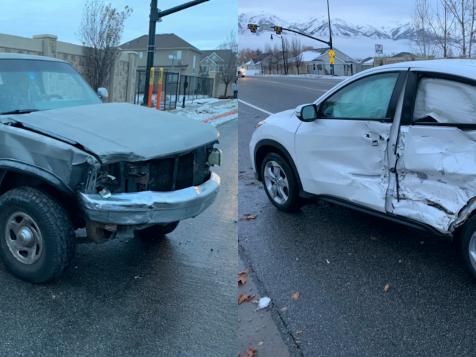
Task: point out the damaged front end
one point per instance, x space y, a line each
135 195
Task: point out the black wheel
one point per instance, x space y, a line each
157 231
36 235
467 245
280 183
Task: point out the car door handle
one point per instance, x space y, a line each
373 139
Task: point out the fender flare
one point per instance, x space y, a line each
37 172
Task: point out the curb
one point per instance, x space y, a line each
220 116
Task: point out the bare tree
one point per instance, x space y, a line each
422 22
101 31
471 26
463 12
442 27
228 72
296 52
277 57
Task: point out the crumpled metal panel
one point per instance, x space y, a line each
60 159
122 132
150 207
437 175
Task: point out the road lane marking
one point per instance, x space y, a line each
255 107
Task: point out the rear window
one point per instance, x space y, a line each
445 101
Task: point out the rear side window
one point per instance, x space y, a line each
445 101
366 99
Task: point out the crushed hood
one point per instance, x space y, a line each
119 131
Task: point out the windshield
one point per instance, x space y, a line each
29 85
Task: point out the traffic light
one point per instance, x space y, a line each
252 27
278 30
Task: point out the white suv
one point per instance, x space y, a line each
398 141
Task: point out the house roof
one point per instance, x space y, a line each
162 41
224 54
314 54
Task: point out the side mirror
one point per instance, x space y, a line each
102 93
307 112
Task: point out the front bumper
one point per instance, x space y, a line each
150 207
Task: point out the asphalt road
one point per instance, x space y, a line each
176 297
340 260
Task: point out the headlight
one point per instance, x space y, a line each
260 123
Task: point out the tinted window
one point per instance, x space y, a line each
367 98
445 101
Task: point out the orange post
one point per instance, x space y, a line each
159 88
151 87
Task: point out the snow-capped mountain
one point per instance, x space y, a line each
356 40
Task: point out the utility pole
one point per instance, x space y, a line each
331 57
285 62
156 16
285 65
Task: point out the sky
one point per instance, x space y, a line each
205 26
364 12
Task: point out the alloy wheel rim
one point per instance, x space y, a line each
276 182
23 238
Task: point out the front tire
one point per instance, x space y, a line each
157 231
280 183
36 235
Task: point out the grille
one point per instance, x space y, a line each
167 174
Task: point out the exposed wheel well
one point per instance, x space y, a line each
14 179
271 147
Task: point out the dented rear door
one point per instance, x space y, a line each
436 168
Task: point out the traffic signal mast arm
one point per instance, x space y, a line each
329 43
279 29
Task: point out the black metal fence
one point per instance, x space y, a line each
176 89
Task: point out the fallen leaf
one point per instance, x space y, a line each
242 278
249 217
386 288
295 296
245 298
250 352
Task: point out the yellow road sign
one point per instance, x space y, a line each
332 60
332 53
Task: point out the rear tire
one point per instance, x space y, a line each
157 231
467 245
280 183
36 235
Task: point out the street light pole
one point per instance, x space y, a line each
155 16
330 35
150 47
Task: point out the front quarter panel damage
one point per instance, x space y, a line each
57 162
